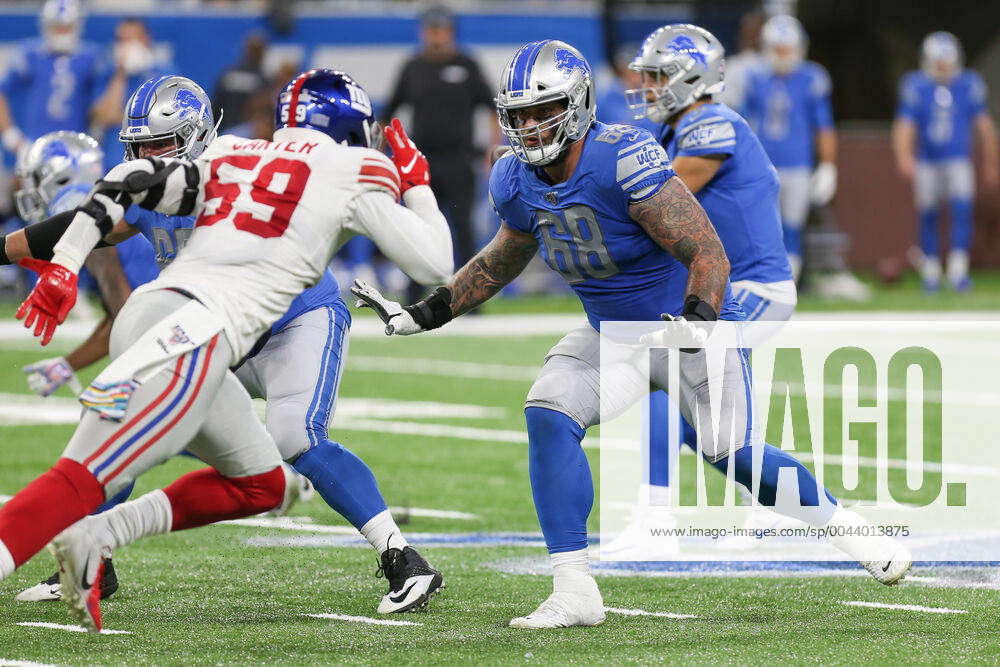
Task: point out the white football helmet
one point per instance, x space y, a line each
538 73
168 109
785 43
679 64
54 161
61 23
941 56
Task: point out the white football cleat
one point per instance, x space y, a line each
81 554
885 559
645 538
564 609
45 591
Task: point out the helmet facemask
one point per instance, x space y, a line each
187 140
665 91
565 127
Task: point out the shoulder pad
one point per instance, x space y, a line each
378 172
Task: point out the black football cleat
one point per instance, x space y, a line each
412 582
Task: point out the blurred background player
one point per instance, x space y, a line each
739 65
444 87
942 111
717 155
612 107
134 62
238 85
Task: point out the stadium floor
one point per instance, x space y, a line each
439 420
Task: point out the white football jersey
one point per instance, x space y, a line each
270 215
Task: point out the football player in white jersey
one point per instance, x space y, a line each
269 216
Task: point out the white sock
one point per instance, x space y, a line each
571 571
652 495
958 266
6 562
930 269
382 532
148 515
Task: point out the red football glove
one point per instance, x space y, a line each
51 300
411 163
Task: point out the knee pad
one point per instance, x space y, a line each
261 493
561 386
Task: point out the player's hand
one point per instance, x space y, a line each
397 320
51 300
411 163
823 183
47 375
679 333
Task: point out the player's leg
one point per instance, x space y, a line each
960 179
735 442
928 187
299 372
562 403
793 200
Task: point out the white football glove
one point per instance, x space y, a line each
823 184
680 333
397 320
47 375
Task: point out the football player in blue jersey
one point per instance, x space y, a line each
57 76
788 104
608 213
717 155
297 366
942 107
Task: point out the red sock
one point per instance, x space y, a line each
50 504
205 496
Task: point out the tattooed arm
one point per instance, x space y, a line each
491 269
677 222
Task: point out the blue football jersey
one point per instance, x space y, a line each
742 197
169 233
56 90
584 229
943 113
612 109
135 254
786 111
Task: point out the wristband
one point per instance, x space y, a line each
433 311
697 310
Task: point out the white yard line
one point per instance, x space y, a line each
69 628
361 619
287 523
643 612
22 663
904 607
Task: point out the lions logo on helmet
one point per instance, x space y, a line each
569 62
171 116
679 64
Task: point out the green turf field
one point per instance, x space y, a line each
234 594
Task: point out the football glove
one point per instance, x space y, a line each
397 320
823 183
51 299
682 333
47 375
411 163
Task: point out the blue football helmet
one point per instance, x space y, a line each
169 114
330 102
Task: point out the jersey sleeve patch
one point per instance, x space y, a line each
712 135
377 172
641 165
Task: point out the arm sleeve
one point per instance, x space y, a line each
415 237
169 186
399 97
16 73
977 95
819 93
909 99
712 136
